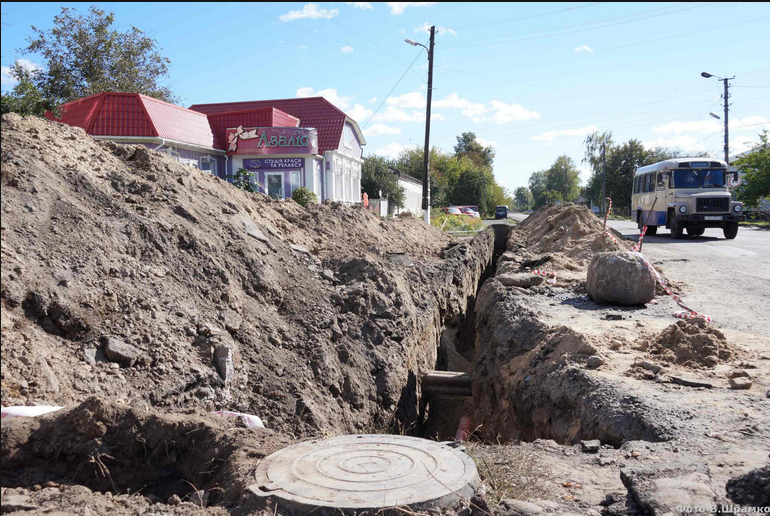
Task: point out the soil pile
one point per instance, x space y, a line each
129 276
690 343
570 232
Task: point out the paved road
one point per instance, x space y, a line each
726 279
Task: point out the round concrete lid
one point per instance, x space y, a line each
360 472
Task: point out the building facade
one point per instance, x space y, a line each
284 143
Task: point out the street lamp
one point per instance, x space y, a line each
725 96
714 115
426 157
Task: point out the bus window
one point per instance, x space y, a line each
712 178
648 183
636 185
685 178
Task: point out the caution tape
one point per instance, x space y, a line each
638 245
546 273
612 237
687 313
609 207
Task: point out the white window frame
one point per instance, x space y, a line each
171 152
269 173
291 182
211 160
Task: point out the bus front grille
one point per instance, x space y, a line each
712 204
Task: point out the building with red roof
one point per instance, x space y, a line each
285 143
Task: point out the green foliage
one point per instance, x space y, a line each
85 55
469 147
523 199
447 222
302 196
756 169
244 179
377 176
563 177
537 186
552 196
24 99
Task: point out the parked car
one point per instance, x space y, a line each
501 212
467 210
451 210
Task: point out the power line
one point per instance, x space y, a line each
391 91
486 24
575 31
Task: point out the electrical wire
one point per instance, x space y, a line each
394 87
487 24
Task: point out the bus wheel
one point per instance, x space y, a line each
695 231
652 230
730 230
676 230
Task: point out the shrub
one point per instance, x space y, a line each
448 222
302 196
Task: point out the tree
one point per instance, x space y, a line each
244 179
25 99
523 198
756 169
467 145
377 176
537 187
563 177
85 55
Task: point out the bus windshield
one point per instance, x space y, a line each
689 178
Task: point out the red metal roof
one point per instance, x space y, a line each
132 114
314 112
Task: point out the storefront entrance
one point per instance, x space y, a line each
274 182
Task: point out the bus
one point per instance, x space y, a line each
687 194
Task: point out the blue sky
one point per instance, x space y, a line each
529 78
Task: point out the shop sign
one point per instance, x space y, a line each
275 163
272 140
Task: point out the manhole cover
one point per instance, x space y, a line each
360 472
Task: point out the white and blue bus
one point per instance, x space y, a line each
688 194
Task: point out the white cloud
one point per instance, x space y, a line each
475 111
302 46
8 80
509 112
394 114
550 136
584 173
398 8
711 126
329 94
364 6
358 113
402 31
408 100
486 143
584 48
309 11
753 121
380 129
392 150
347 50
425 27
372 100
685 142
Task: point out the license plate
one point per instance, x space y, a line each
713 217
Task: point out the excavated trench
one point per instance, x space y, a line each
529 380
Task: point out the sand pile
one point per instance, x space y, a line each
571 233
690 343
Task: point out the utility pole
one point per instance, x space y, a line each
426 158
604 181
726 96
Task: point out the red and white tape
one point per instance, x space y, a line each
687 313
612 237
609 206
547 273
638 245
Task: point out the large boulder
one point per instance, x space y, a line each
619 278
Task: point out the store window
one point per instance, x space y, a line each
208 165
294 174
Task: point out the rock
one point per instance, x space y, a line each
224 361
328 274
689 382
251 229
336 332
613 317
120 352
42 370
738 373
619 278
522 280
661 488
655 368
14 503
594 361
516 508
174 500
592 446
94 355
740 383
299 249
507 257
751 489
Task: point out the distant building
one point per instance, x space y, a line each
286 143
412 194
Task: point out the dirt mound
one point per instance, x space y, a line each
569 230
130 276
690 343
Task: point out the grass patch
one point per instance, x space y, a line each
447 222
757 223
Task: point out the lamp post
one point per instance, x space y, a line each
725 96
426 157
